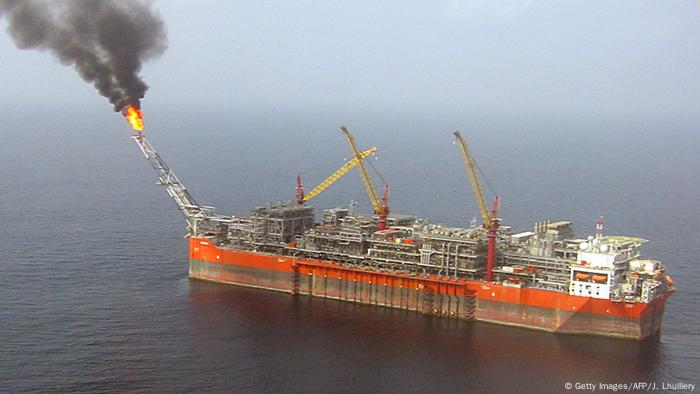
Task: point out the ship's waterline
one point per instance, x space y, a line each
428 294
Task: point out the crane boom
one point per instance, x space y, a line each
491 222
376 204
192 211
470 165
338 174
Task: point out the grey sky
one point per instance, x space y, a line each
602 57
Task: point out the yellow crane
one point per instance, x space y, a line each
489 218
301 198
381 208
470 166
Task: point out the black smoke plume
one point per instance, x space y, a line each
106 41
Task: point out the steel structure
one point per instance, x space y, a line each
381 208
490 218
198 217
301 198
366 179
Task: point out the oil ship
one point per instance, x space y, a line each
544 278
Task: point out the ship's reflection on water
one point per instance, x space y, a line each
327 344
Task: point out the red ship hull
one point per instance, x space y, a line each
449 297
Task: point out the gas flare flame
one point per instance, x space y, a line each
134 116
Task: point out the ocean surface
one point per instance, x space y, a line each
94 294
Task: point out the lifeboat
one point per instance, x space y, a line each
582 276
600 278
513 280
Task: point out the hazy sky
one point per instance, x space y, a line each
602 57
